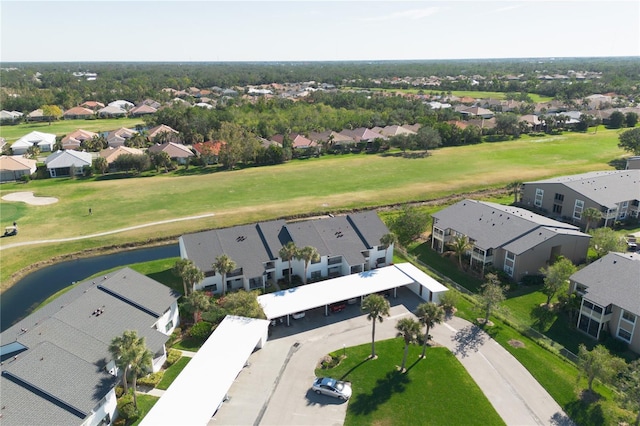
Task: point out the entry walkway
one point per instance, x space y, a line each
272 391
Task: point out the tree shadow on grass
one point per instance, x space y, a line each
345 375
393 382
587 410
542 317
468 339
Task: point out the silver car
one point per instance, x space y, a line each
332 387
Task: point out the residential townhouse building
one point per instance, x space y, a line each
507 238
347 244
610 290
56 365
616 194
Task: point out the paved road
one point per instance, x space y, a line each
274 388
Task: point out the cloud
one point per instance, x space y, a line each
507 8
413 14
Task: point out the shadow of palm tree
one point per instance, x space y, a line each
468 339
344 376
393 382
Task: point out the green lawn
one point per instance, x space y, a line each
254 194
172 372
63 127
145 404
434 391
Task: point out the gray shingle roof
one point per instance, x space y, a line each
262 241
613 279
61 373
493 225
247 245
605 188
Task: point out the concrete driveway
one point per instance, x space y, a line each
274 389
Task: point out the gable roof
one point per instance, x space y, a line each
248 245
111 153
605 188
175 150
35 137
613 279
78 111
62 371
362 134
251 245
493 225
396 130
17 162
142 109
77 136
68 158
155 131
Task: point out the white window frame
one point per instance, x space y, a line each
578 208
509 263
628 323
539 196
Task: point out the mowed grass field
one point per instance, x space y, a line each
63 127
326 184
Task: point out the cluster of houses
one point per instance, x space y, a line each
521 240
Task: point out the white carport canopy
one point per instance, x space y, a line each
194 397
285 302
421 278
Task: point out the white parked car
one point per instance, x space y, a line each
332 387
298 315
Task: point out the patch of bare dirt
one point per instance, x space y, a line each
516 343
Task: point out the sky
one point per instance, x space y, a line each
325 30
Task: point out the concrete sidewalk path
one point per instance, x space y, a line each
511 389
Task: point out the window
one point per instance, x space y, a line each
589 326
559 197
212 288
335 260
169 326
538 200
316 275
557 208
509 263
628 316
624 335
577 209
380 261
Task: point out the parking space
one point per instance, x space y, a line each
275 388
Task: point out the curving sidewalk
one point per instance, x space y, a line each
100 234
511 389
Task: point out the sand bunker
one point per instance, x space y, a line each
29 198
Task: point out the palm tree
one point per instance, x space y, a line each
197 302
377 308
429 314
408 329
307 254
460 245
388 240
141 364
223 265
591 215
515 187
189 273
287 253
120 350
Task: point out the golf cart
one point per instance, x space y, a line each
10 231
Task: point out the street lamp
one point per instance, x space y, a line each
344 351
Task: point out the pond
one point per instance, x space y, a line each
25 295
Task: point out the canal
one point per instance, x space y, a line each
25 295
